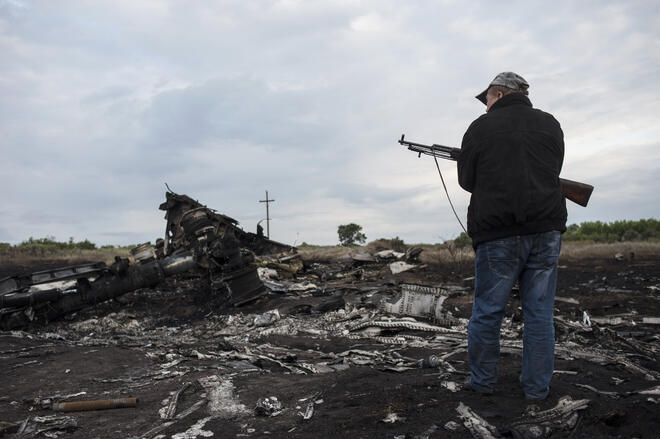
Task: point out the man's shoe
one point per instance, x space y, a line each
475 388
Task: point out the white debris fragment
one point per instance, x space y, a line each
450 385
607 320
452 426
267 318
302 286
389 254
400 266
195 430
220 394
586 321
391 418
267 273
201 356
617 381
162 412
477 425
269 406
61 285
652 391
309 411
172 363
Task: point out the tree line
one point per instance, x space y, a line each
599 231
49 244
351 234
617 231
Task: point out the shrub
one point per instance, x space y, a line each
463 240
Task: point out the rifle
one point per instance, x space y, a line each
573 190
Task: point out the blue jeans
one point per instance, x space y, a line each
532 261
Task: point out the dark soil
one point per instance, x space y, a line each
66 357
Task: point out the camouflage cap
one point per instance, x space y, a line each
506 79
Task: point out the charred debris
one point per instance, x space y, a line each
197 239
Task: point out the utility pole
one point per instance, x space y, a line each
267 215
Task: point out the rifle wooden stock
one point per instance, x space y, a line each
576 192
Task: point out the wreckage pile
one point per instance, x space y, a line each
197 239
328 348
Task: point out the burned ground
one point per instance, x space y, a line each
324 357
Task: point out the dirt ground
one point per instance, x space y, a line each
152 343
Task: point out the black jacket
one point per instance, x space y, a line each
510 161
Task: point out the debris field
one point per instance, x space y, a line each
369 345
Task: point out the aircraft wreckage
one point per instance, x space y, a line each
369 345
197 238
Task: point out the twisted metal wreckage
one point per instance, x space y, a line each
197 238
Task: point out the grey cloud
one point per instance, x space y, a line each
237 109
103 103
358 194
36 217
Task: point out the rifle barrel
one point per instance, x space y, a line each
445 152
432 152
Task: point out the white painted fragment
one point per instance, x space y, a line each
61 285
389 254
607 320
267 318
652 391
391 418
267 273
201 356
302 286
400 266
222 402
477 425
195 430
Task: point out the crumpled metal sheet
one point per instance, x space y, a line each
268 406
539 424
51 426
418 301
478 426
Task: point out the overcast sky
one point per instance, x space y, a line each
102 103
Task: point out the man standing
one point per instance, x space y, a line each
510 161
